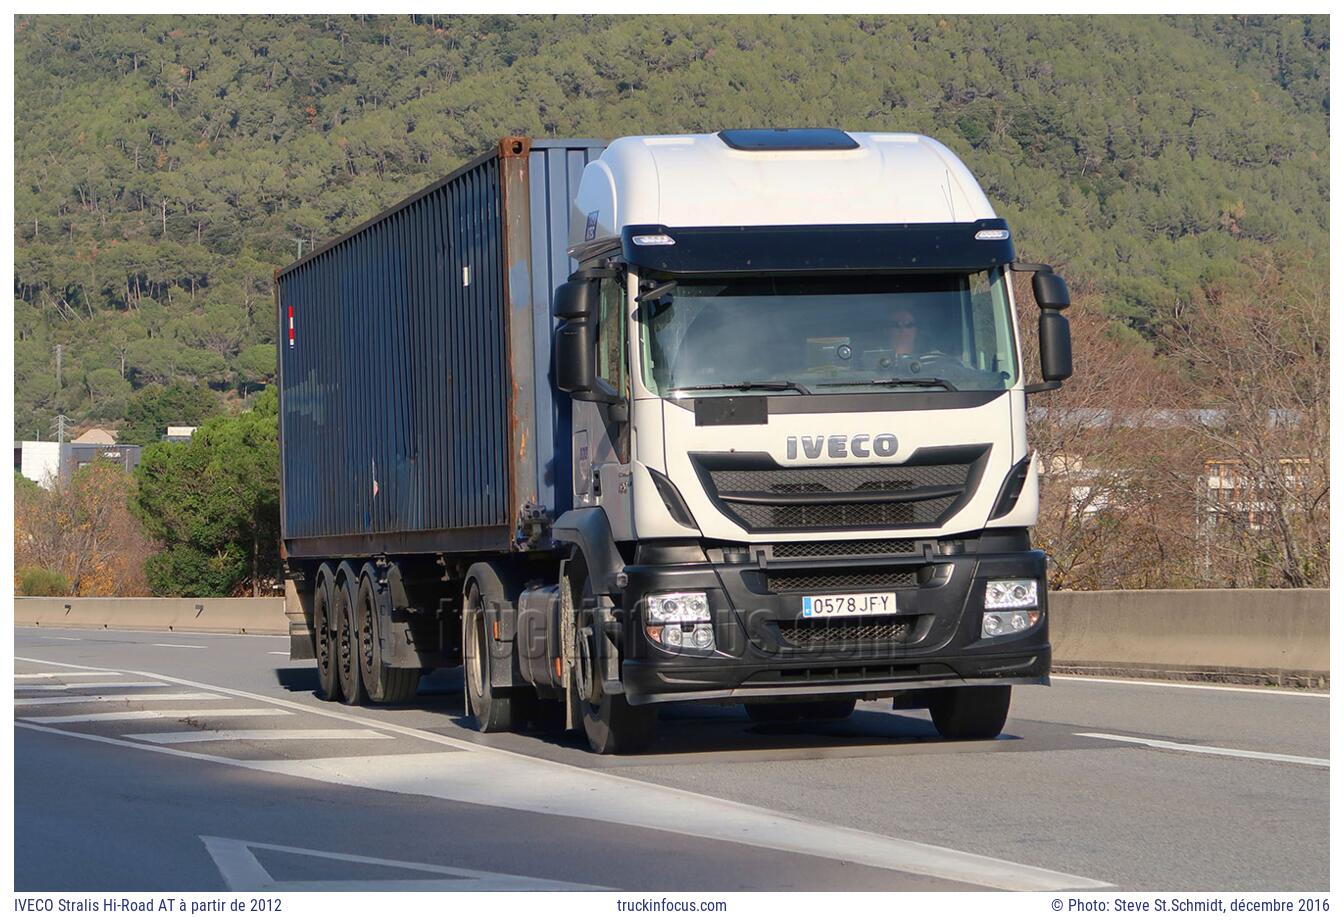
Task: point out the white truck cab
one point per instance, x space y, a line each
799 421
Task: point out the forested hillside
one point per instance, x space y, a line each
165 166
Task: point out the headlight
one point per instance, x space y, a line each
679 621
682 607
1010 594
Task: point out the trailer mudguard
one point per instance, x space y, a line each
590 531
399 645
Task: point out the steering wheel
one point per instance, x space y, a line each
928 362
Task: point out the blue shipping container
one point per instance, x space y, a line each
416 407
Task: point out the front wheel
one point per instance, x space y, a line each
612 724
970 713
494 711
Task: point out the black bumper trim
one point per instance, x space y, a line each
822 691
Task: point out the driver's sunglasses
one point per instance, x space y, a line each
907 325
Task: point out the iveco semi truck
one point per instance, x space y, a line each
734 418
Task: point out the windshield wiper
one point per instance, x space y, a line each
894 382
750 385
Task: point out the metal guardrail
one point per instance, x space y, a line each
1238 635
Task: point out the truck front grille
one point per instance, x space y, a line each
815 550
833 635
806 582
763 496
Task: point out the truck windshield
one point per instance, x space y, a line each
949 331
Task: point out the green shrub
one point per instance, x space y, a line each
36 581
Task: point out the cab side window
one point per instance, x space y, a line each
611 335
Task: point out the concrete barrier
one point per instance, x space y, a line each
1244 635
1263 636
263 616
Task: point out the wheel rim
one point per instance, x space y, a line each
322 622
585 665
473 651
366 638
345 654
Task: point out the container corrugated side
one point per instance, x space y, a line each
394 394
417 413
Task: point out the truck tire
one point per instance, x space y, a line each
382 684
815 711
347 642
324 635
970 713
612 724
494 711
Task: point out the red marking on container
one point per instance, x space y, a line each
291 325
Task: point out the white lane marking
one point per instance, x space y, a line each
277 653
98 685
175 645
1205 749
506 779
83 668
46 675
261 734
132 715
1176 685
243 872
64 638
117 698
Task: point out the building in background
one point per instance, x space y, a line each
39 461
97 436
47 462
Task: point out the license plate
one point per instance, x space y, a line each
848 605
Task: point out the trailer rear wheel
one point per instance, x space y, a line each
612 724
382 683
347 662
494 712
970 713
324 629
815 711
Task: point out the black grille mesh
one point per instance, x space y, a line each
831 515
851 548
815 479
841 514
832 634
798 583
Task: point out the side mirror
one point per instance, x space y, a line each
576 300
1050 290
576 303
1056 345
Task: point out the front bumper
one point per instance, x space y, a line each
933 641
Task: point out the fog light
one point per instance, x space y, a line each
1008 623
1010 594
702 637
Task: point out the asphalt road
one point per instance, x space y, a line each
172 761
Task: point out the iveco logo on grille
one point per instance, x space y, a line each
841 445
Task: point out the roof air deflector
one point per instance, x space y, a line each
770 139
